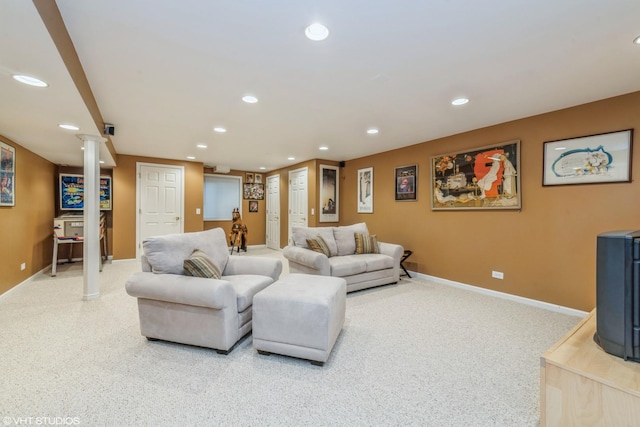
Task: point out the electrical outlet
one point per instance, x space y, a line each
23 266
497 275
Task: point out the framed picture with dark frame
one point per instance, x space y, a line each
7 175
593 159
479 178
406 183
72 192
253 206
329 192
253 191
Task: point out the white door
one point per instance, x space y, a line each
273 212
298 199
160 201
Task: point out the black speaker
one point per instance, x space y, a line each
109 129
342 164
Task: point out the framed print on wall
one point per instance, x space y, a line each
592 159
329 193
480 178
365 190
72 192
253 206
406 183
253 191
7 175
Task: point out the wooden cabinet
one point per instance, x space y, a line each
582 385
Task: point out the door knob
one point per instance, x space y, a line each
177 218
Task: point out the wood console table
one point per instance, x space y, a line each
582 385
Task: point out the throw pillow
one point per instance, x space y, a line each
200 265
366 244
318 244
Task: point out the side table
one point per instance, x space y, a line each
405 255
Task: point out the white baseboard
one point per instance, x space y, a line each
27 280
516 298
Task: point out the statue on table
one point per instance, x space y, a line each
238 234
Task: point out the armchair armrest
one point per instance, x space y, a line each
308 258
391 249
253 265
180 289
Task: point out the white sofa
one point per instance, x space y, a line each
206 312
359 270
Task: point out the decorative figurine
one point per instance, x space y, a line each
238 234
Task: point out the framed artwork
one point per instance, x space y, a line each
248 177
253 191
72 192
253 206
476 179
7 175
365 190
592 159
257 178
329 193
406 183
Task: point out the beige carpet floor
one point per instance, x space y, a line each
416 353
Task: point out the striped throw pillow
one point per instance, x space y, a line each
366 244
200 265
318 244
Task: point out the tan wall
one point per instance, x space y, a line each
547 250
124 201
27 236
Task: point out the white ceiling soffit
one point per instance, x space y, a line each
166 72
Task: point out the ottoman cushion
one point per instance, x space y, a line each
300 315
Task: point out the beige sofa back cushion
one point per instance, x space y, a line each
167 253
345 237
301 234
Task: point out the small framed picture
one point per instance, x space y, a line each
257 178
253 206
406 182
248 177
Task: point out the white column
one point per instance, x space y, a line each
91 245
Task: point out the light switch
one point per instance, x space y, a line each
313 211
197 211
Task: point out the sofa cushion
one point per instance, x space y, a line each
246 287
301 234
166 254
344 237
200 265
318 244
377 261
347 265
366 243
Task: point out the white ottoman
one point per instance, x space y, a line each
300 315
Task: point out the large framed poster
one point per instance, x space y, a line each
7 175
478 178
72 192
329 193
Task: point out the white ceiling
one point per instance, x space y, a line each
166 72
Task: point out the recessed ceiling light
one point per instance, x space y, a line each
460 101
250 99
28 80
102 162
191 157
291 158
316 32
262 168
223 130
323 148
68 127
201 145
372 131
637 40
